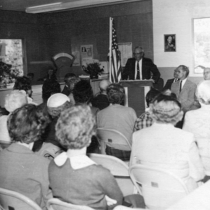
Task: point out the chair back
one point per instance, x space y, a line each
159 188
56 204
112 138
11 200
118 169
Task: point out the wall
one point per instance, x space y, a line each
175 17
133 23
19 25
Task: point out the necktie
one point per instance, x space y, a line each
180 86
138 71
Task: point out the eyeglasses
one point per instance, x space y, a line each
137 53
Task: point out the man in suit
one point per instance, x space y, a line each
185 89
140 68
171 81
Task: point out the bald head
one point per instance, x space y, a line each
57 100
104 84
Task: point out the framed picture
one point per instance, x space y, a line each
170 43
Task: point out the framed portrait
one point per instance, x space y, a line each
170 43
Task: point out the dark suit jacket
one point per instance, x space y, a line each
168 84
149 70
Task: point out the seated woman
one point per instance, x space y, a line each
15 99
22 170
166 147
75 178
24 83
48 145
118 117
197 122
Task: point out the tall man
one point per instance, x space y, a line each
185 89
140 68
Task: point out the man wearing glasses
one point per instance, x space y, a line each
140 68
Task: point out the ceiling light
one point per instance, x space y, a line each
44 8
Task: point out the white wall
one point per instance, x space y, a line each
175 17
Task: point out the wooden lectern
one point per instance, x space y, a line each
135 92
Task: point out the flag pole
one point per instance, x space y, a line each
110 47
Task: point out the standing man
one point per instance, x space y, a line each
185 89
140 68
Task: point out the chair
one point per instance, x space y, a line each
159 188
112 138
118 169
56 204
11 200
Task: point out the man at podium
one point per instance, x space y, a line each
140 68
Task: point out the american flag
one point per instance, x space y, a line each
115 66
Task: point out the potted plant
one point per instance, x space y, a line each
93 69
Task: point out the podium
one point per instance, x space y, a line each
135 92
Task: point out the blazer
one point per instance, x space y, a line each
168 84
149 70
25 172
197 122
169 148
187 95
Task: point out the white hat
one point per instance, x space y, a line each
57 100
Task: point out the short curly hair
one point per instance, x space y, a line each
75 127
15 99
22 83
166 109
116 93
27 123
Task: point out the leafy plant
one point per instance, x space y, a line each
93 69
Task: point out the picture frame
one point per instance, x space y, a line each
170 42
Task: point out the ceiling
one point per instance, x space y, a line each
21 5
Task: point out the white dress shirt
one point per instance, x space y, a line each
140 69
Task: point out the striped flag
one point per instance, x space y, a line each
114 56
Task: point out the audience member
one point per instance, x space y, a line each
50 85
89 183
166 147
117 117
22 170
146 119
23 83
69 84
49 144
15 99
101 100
171 81
185 89
140 68
206 73
197 122
83 94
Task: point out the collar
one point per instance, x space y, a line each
77 162
183 82
19 148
